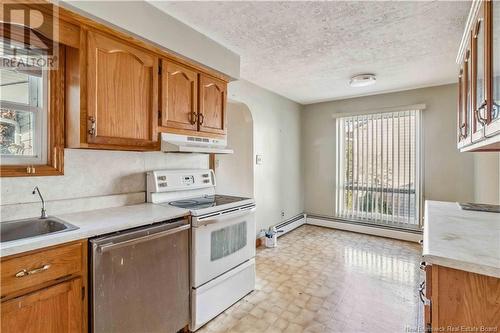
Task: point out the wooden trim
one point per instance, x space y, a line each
459 104
55 134
188 132
67 32
488 53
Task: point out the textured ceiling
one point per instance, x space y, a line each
307 51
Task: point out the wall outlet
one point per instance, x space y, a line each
258 159
282 213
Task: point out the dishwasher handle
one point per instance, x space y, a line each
111 246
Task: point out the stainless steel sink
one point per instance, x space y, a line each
33 227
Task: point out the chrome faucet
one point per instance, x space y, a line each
43 214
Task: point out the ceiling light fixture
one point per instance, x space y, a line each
362 80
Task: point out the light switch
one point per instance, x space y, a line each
258 159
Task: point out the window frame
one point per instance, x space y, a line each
40 126
341 168
54 129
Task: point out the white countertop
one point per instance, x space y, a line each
96 222
462 239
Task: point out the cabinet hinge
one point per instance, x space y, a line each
83 293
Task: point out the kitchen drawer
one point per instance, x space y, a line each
35 268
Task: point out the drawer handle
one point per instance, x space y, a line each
421 294
25 272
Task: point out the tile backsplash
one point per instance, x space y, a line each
92 179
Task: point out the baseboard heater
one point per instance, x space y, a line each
290 224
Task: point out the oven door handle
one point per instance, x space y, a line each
221 217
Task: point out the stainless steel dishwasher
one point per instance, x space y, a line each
140 279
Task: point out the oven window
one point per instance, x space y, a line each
228 240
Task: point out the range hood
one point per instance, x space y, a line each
177 143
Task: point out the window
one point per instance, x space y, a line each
23 116
378 172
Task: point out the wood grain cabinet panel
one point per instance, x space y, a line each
54 309
45 290
50 264
122 93
462 299
179 96
212 115
479 127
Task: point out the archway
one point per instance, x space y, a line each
237 170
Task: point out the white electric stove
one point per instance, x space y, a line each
222 238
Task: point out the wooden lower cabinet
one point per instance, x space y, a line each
461 299
45 290
57 308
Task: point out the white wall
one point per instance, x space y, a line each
151 24
276 123
234 172
92 179
487 178
448 174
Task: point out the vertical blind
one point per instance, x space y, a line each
378 173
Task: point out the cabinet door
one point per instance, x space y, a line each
122 93
493 21
54 309
478 75
461 112
465 102
212 116
179 94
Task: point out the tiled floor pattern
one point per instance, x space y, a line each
326 280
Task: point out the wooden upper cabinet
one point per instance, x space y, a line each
179 97
213 95
479 128
122 103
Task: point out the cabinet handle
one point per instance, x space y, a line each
92 130
28 170
462 129
194 118
423 265
421 292
25 272
201 118
479 117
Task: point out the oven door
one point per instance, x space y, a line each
221 242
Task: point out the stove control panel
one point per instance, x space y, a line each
179 180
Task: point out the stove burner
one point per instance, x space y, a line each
185 203
205 202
